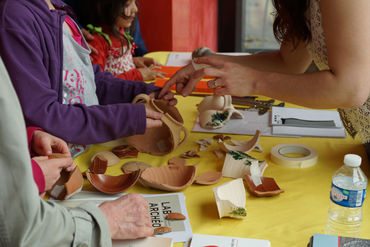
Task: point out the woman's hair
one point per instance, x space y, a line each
104 13
291 22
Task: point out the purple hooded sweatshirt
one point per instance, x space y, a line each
31 45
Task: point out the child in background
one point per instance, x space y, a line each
59 90
111 23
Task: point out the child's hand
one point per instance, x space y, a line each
45 144
153 119
51 168
142 62
150 73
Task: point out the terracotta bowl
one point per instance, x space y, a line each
168 178
113 184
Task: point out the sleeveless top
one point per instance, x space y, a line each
356 120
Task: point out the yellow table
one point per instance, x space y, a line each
286 220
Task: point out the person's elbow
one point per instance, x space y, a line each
357 94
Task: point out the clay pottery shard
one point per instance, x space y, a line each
125 151
176 161
109 156
175 216
99 165
162 140
67 185
168 178
208 178
134 166
269 187
113 184
244 146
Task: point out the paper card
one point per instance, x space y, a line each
159 206
146 242
179 59
201 240
247 126
306 122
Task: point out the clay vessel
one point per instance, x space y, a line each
163 140
113 184
168 178
67 185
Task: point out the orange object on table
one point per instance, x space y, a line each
201 87
169 71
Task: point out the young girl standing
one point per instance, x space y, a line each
59 90
111 23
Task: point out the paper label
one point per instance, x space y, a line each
347 198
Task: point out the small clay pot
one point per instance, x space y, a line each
113 184
168 178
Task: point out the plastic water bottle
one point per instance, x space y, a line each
347 195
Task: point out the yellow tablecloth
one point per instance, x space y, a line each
286 220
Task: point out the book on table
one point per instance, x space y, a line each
323 240
202 240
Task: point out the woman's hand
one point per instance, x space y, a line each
44 144
230 78
128 217
51 168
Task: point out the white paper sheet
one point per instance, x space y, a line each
201 240
159 205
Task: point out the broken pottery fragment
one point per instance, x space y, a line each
216 111
231 199
176 161
113 184
208 178
125 151
242 146
265 188
109 156
134 166
67 185
237 164
99 164
162 140
168 178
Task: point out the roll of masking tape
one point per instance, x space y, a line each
303 156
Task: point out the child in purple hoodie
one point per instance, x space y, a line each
59 90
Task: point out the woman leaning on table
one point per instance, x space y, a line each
334 34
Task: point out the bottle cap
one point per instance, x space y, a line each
352 160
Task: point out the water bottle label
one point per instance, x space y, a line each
347 198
